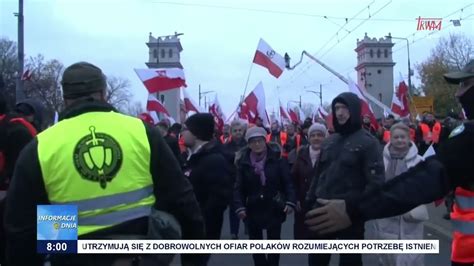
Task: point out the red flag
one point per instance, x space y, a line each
189 104
365 107
154 105
268 58
293 116
146 117
283 114
400 101
319 112
253 106
162 79
219 117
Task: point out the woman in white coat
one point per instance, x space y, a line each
399 155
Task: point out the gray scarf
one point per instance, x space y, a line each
396 163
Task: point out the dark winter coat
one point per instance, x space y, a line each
14 136
259 201
302 174
174 146
209 174
230 150
173 192
351 160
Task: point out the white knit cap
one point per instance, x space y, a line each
318 127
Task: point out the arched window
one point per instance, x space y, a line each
379 53
385 53
155 53
162 53
170 53
371 53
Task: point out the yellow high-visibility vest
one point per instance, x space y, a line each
99 161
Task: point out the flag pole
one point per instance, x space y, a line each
248 79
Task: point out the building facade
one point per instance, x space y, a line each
164 52
375 69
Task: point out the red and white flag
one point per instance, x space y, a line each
27 75
400 101
268 58
321 113
253 106
216 111
189 104
154 105
365 107
284 117
293 116
161 79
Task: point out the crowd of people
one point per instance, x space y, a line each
196 171
276 171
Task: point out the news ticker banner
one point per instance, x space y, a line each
57 233
257 246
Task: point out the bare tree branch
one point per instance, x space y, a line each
118 93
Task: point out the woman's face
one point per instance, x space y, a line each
316 139
400 139
257 144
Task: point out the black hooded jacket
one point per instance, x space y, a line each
34 106
351 160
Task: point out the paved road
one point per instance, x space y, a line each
289 260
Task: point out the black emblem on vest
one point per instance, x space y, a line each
98 157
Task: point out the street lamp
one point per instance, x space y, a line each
202 94
408 53
320 94
298 102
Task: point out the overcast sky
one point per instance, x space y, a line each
220 38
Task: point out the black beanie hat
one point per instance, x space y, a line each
201 125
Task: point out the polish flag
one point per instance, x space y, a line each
283 114
146 117
154 105
365 107
161 79
301 115
293 116
268 58
397 107
216 111
321 113
253 106
400 99
189 104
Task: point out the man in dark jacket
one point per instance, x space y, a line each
237 131
171 141
16 132
208 172
84 88
33 111
350 163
